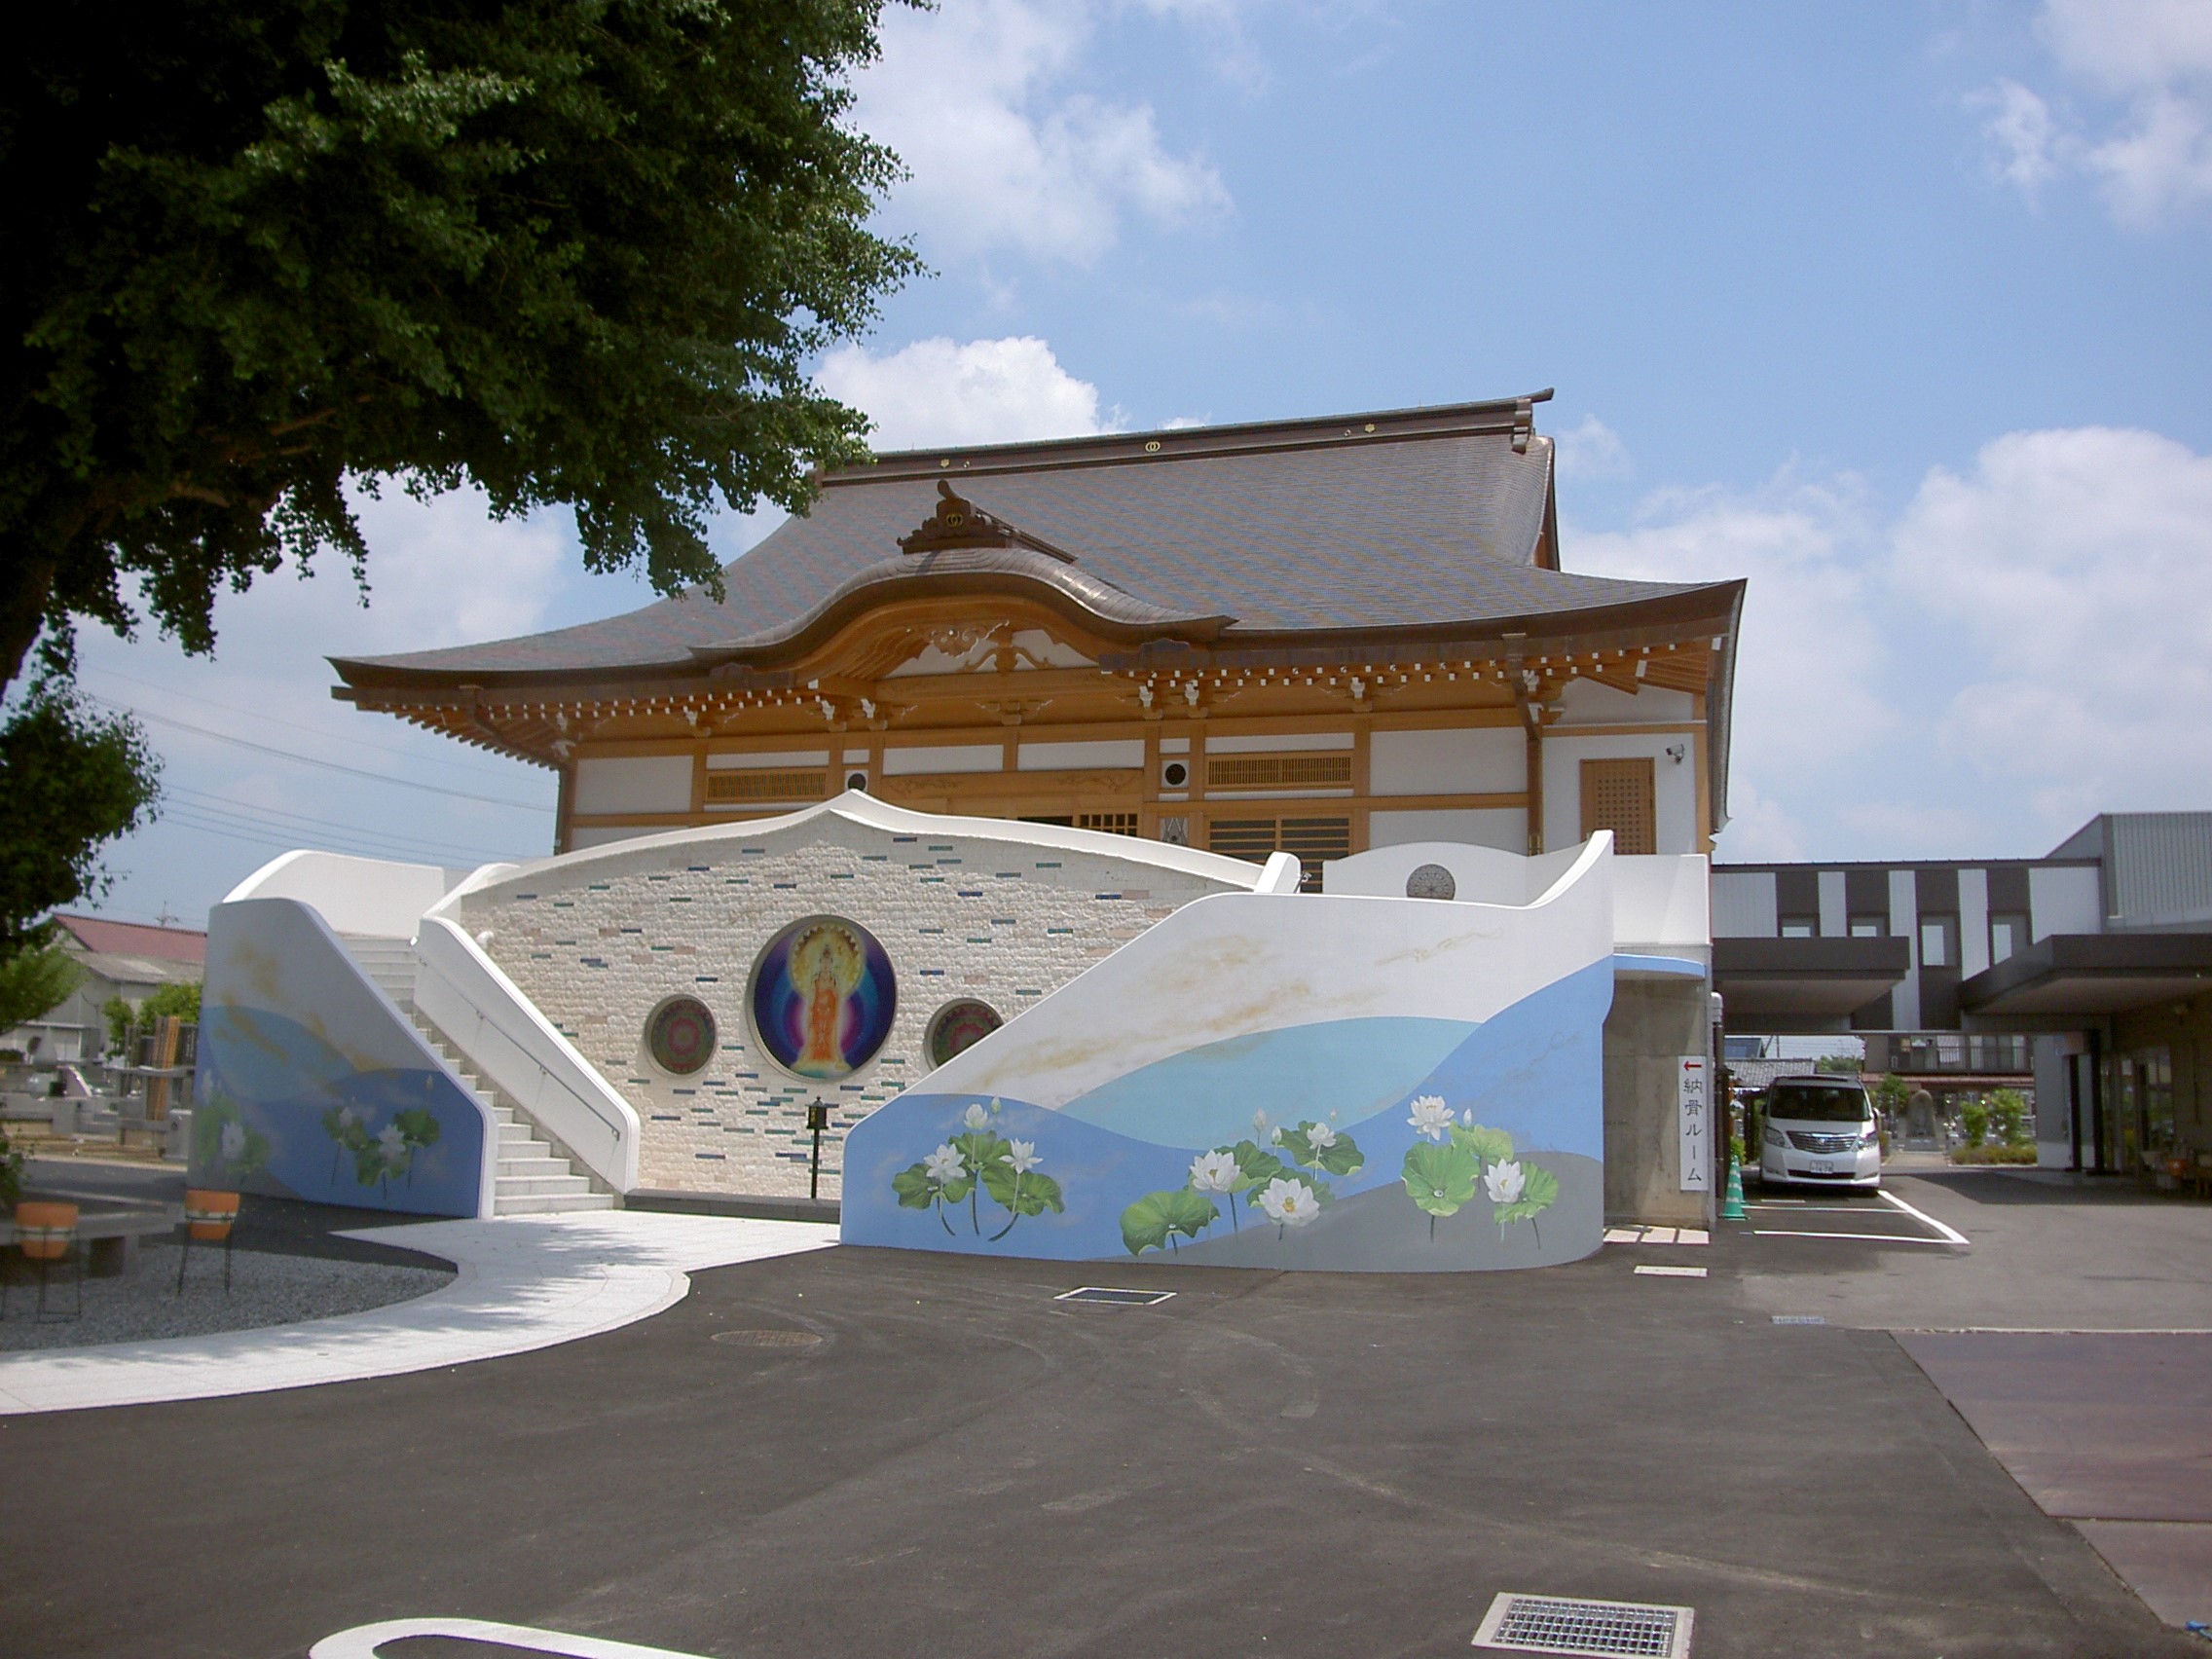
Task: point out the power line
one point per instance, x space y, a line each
314 760
302 824
272 719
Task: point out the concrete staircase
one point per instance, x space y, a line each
534 1176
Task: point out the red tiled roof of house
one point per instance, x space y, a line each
135 939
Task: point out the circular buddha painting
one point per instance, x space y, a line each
959 1026
822 997
680 1035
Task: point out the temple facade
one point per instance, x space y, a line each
1318 636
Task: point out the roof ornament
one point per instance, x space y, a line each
959 523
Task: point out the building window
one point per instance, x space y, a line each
1621 796
2008 936
1312 841
1800 927
1111 822
1938 941
1865 926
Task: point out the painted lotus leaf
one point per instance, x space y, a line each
981 1148
1538 1190
1440 1178
1149 1222
1341 1156
1492 1146
417 1127
1030 1194
1255 1165
915 1189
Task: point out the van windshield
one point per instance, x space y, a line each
1811 1103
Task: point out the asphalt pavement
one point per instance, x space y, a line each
859 1452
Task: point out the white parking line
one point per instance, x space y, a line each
1952 1233
1815 1233
363 1641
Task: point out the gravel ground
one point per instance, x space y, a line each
142 1304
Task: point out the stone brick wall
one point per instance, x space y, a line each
599 943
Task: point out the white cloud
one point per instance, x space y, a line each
985 391
2153 59
973 98
1810 658
2075 569
2024 141
1591 449
2028 642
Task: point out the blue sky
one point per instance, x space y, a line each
1900 312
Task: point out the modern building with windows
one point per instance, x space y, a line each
2086 974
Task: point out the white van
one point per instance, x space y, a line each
1821 1132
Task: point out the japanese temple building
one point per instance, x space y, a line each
1315 635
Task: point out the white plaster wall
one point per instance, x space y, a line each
962 908
1661 906
1296 959
1904 918
1673 784
634 782
1277 743
1587 702
372 897
939 759
1470 761
1505 829
1121 753
2066 900
583 835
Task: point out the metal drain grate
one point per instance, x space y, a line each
767 1338
1115 1298
1552 1624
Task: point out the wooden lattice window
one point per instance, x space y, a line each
1277 771
1621 796
1112 822
766 785
1312 841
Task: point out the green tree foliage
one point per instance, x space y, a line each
2008 1117
1892 1095
180 1000
120 1016
1974 1118
1840 1065
72 781
33 978
573 252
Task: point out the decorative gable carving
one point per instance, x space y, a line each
959 523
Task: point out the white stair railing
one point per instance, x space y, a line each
486 1015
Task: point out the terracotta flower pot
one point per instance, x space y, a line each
45 1231
208 1216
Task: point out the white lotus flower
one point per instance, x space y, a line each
1431 1116
394 1143
944 1164
1213 1172
976 1118
233 1142
1321 1137
1291 1203
1503 1182
348 1117
1023 1157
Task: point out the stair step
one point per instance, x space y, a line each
553 1204
532 1168
513 1134
541 1186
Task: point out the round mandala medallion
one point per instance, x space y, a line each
680 1035
959 1026
1431 881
